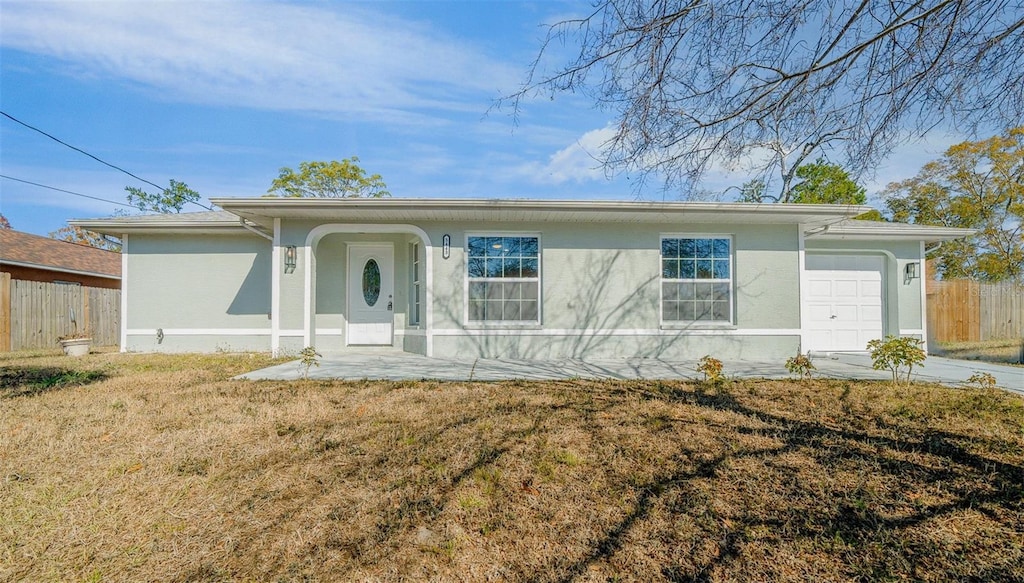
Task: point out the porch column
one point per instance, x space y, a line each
275 291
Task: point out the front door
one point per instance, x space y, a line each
371 294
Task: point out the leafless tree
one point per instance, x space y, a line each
762 84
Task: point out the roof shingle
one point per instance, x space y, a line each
26 248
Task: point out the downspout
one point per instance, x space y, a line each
248 227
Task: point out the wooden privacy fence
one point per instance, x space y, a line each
34 314
970 311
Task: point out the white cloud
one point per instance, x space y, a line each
578 162
334 58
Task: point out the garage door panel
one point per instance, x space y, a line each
844 301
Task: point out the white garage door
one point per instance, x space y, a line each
844 301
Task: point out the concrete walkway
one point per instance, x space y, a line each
397 366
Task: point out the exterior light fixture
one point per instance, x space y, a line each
289 259
912 271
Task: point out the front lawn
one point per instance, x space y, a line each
159 468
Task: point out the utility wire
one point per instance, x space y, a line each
66 191
104 162
59 141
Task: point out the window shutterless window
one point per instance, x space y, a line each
415 278
696 279
503 278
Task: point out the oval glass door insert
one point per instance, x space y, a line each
371 282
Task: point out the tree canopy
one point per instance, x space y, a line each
4 223
170 200
825 183
80 236
334 179
769 85
977 185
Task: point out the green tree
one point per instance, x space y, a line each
169 200
977 185
4 223
334 179
824 183
80 236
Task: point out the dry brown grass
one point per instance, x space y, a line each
159 468
997 351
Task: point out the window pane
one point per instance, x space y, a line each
477 245
687 269
686 291
529 268
477 290
669 310
703 248
704 269
703 291
687 248
528 246
528 310
721 311
686 310
477 267
476 310
493 291
511 311
510 246
529 290
494 268
512 291
720 247
720 292
705 311
670 291
670 268
493 246
721 269
670 248
511 267
494 310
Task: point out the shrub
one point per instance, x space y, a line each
800 365
894 353
310 357
711 368
982 380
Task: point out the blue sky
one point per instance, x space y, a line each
220 95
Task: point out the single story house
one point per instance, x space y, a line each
30 257
519 278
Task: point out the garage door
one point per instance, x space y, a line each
844 301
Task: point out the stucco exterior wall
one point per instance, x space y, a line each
205 292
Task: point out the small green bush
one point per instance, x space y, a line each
310 357
894 353
800 365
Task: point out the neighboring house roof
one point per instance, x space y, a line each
821 220
27 250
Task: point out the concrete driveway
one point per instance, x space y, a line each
397 366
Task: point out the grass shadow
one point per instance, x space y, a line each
30 381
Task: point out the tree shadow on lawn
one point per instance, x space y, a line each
30 381
871 544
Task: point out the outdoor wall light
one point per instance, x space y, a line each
289 259
912 271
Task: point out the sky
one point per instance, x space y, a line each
221 95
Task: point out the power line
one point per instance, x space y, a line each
66 191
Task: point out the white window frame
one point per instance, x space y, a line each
416 283
466 280
731 322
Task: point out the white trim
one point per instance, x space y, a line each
924 297
620 332
202 331
275 290
911 331
42 267
124 292
318 232
802 286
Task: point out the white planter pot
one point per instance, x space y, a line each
76 346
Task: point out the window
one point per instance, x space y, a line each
416 275
696 279
504 279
